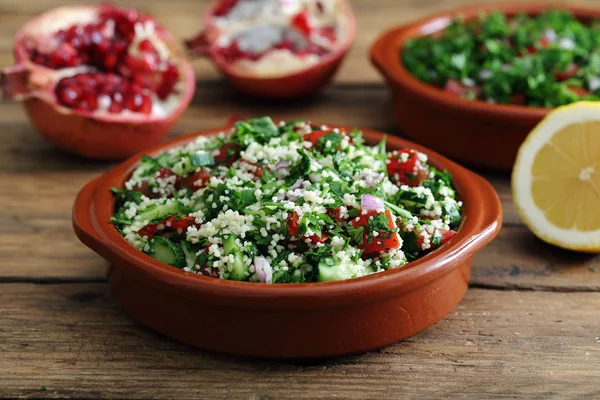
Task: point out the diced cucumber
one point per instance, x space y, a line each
202 159
412 199
184 167
156 211
330 270
189 251
148 166
164 159
166 251
240 271
453 214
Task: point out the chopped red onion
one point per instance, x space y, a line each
297 184
369 202
263 270
282 168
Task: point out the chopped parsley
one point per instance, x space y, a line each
546 60
283 203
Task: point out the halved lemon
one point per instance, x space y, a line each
556 178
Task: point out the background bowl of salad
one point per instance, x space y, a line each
472 82
248 315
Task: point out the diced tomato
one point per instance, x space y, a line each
146 189
579 91
165 173
458 89
335 214
292 226
384 241
543 42
410 172
315 135
572 69
301 22
447 235
171 223
228 153
195 181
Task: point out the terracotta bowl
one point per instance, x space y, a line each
293 85
310 320
473 132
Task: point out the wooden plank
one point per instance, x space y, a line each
74 339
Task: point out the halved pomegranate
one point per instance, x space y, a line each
276 48
100 81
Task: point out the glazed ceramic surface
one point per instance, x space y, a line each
473 132
310 320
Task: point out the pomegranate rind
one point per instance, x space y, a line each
92 135
296 84
94 138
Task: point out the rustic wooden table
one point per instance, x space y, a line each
528 326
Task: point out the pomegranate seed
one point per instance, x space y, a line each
104 102
302 23
117 98
134 102
146 107
146 45
122 81
89 92
69 96
131 16
110 61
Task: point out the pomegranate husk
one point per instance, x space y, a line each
294 85
105 136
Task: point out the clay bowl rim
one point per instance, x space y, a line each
385 55
337 54
482 219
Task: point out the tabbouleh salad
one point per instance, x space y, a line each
546 61
286 203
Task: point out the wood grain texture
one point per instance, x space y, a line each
540 341
77 342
